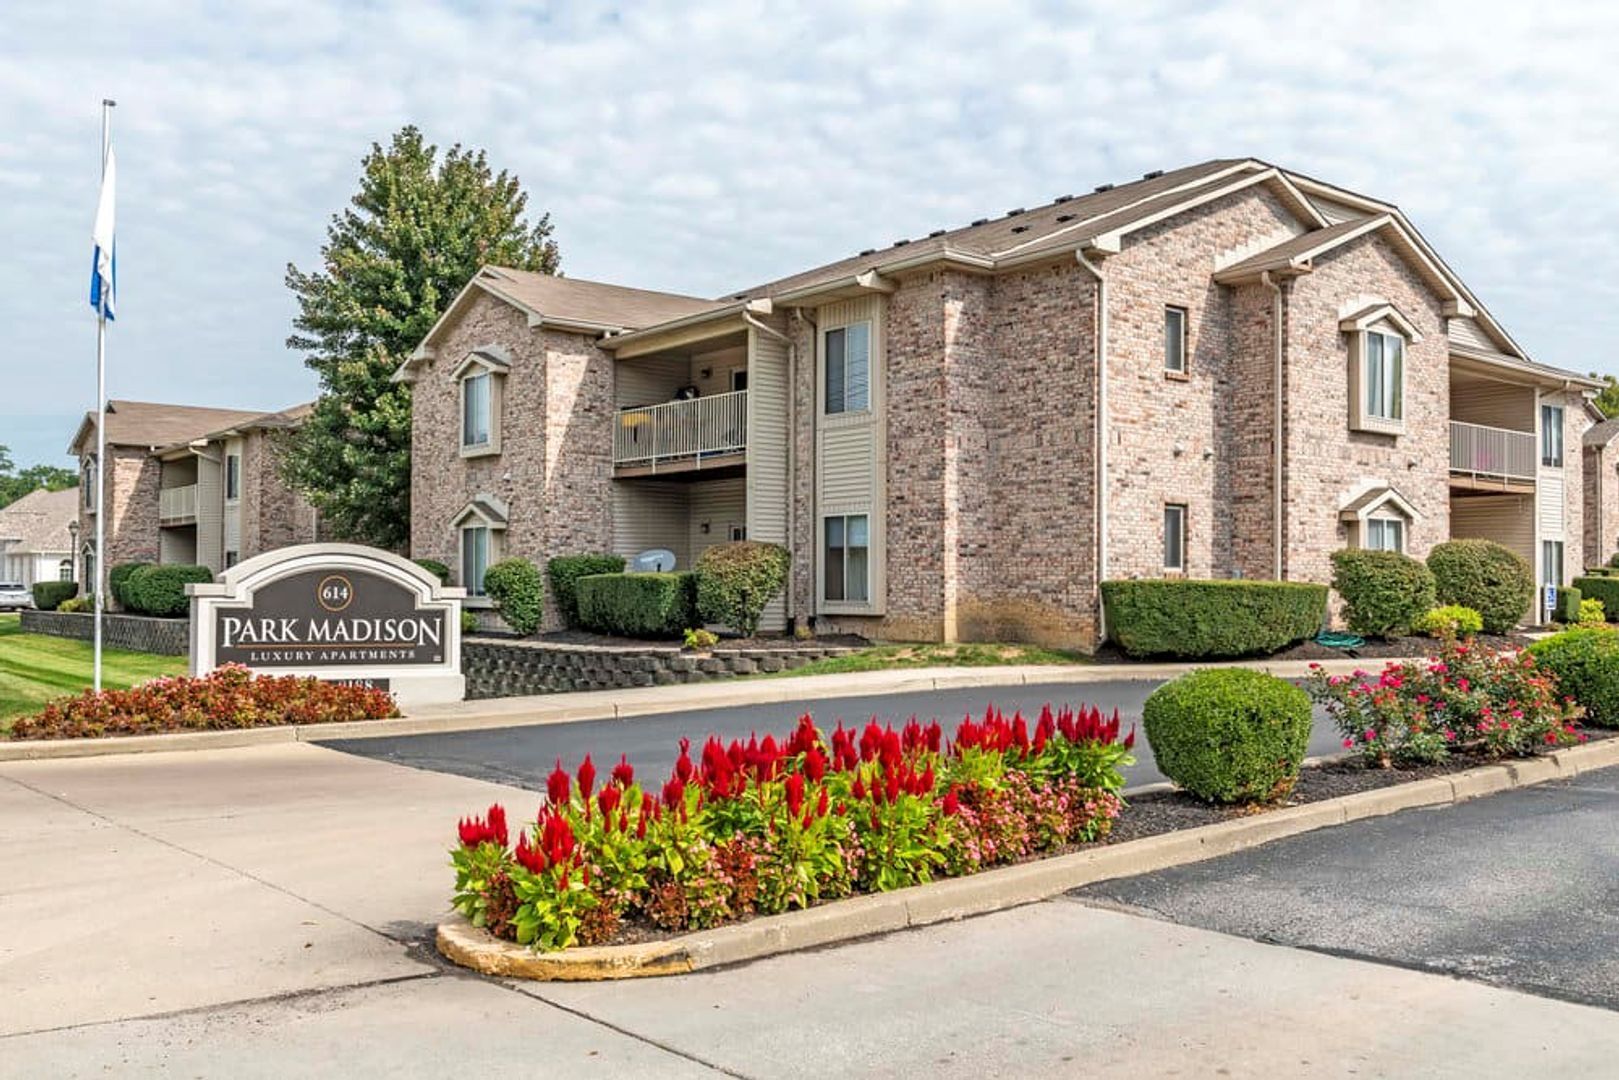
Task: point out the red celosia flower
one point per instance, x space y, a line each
794 790
623 772
485 830
674 793
950 804
587 778
529 858
814 764
821 804
608 800
859 789
683 765
558 786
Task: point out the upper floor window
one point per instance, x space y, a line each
475 410
1175 340
1551 436
1385 534
848 368
233 477
87 482
1384 371
480 378
1378 336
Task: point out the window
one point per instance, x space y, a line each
738 533
848 369
1384 376
232 558
88 483
848 558
1175 538
64 571
476 400
739 378
233 477
1175 340
1551 436
1551 563
88 585
1385 534
474 558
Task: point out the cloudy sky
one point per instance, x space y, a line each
703 147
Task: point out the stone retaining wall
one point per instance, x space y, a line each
140 633
497 668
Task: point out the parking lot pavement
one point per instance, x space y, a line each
1518 890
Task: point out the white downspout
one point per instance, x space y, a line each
1277 532
1101 441
792 446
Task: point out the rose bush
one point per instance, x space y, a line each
763 826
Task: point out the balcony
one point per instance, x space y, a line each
1491 457
682 436
177 505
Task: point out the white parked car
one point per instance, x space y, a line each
15 595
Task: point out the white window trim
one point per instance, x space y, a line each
1185 370
1163 524
854 415
1402 527
236 456
847 606
1562 439
1384 320
474 515
486 360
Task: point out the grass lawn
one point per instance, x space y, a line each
892 657
37 667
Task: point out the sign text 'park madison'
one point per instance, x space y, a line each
325 618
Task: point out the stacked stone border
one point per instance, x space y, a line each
496 668
140 633
994 890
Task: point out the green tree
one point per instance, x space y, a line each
15 483
1608 399
413 236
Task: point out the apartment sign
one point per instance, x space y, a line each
340 612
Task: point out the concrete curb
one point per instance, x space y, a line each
995 890
624 704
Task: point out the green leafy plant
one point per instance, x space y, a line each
469 622
638 605
1585 663
1452 620
75 605
518 591
735 581
161 590
1592 613
1384 592
1567 608
49 595
1604 590
118 577
700 640
436 568
1491 579
1229 735
564 572
1207 619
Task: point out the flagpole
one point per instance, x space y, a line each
101 421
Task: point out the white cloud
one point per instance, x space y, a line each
701 151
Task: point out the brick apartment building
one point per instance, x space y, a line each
1228 370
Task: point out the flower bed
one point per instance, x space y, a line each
228 698
761 827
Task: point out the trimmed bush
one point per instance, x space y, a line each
1452 620
76 605
161 590
1229 735
1204 619
48 595
638 605
436 568
1567 609
518 591
1487 577
1384 592
117 576
1605 589
1585 662
566 570
735 581
1592 613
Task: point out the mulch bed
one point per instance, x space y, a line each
726 644
1400 648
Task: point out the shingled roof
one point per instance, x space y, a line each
150 424
38 522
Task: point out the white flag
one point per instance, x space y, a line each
104 271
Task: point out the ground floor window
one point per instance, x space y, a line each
847 558
64 572
232 558
1385 534
1551 563
475 541
1175 538
88 585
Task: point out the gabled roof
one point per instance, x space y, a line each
1601 433
153 425
283 420
38 522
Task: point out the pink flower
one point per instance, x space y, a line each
1349 744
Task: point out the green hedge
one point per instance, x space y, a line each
436 568
118 576
518 591
1568 606
1605 589
1485 576
638 605
565 572
1229 735
1204 619
48 595
735 581
161 590
1585 662
1385 593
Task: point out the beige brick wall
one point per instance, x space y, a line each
273 515
132 479
1601 512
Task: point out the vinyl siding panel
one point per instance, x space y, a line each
1336 212
767 453
1469 334
651 514
1551 497
851 462
1507 519
647 381
1493 404
214 535
718 504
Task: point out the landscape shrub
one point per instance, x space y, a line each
638 605
469 622
1613 560
436 568
1604 589
1205 619
1592 613
735 581
1469 699
226 698
77 605
1229 735
763 826
1384 592
700 640
161 590
565 572
118 576
1567 608
1485 576
48 595
1452 620
1585 663
518 591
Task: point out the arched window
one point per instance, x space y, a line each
64 571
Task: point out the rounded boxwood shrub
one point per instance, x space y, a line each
1585 662
117 576
1229 735
161 590
1491 579
518 591
436 568
1204 619
1452 620
1384 592
565 571
48 595
735 581
638 605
